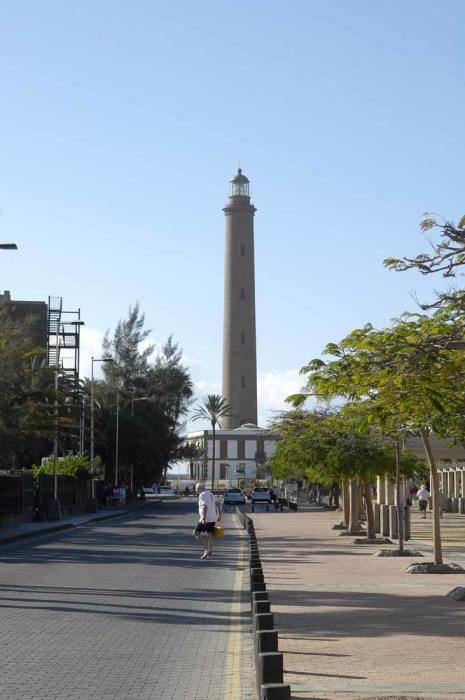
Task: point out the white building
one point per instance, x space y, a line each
237 453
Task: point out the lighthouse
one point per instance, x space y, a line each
239 335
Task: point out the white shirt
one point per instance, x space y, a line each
423 494
206 498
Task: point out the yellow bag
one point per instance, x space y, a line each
218 530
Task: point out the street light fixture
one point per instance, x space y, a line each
8 246
92 505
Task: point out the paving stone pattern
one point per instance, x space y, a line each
126 609
356 626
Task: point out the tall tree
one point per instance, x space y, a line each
150 436
213 408
447 257
26 396
408 371
130 359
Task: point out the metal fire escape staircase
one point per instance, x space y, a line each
63 342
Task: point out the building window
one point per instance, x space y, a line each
222 471
242 338
241 449
223 449
243 381
242 293
242 251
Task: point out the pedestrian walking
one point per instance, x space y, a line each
208 516
423 495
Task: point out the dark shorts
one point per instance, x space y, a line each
204 527
423 505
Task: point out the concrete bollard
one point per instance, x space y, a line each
384 518
263 621
393 522
275 691
256 586
270 667
256 575
259 595
266 640
261 606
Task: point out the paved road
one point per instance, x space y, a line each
126 609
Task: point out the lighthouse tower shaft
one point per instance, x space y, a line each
239 336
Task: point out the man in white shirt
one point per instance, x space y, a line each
423 495
208 516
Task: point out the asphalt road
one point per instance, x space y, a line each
125 608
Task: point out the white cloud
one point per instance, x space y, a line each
91 346
273 388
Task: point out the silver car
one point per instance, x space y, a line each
234 496
261 494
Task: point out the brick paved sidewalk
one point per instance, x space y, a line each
356 626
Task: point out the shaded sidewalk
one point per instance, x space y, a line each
352 625
28 530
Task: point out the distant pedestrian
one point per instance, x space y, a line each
208 515
423 496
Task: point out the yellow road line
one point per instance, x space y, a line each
232 671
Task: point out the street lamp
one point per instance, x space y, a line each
140 398
117 438
92 506
54 507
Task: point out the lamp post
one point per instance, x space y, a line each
54 507
92 505
117 438
140 398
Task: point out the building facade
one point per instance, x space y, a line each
32 312
238 453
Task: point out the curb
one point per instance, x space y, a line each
68 526
35 533
268 660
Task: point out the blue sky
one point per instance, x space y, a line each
121 123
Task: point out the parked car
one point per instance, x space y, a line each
166 491
234 496
147 489
261 494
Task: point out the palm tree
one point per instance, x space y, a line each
213 407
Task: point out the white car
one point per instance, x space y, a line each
261 494
166 491
147 490
234 496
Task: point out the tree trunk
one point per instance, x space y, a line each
400 501
354 506
345 503
435 492
371 532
